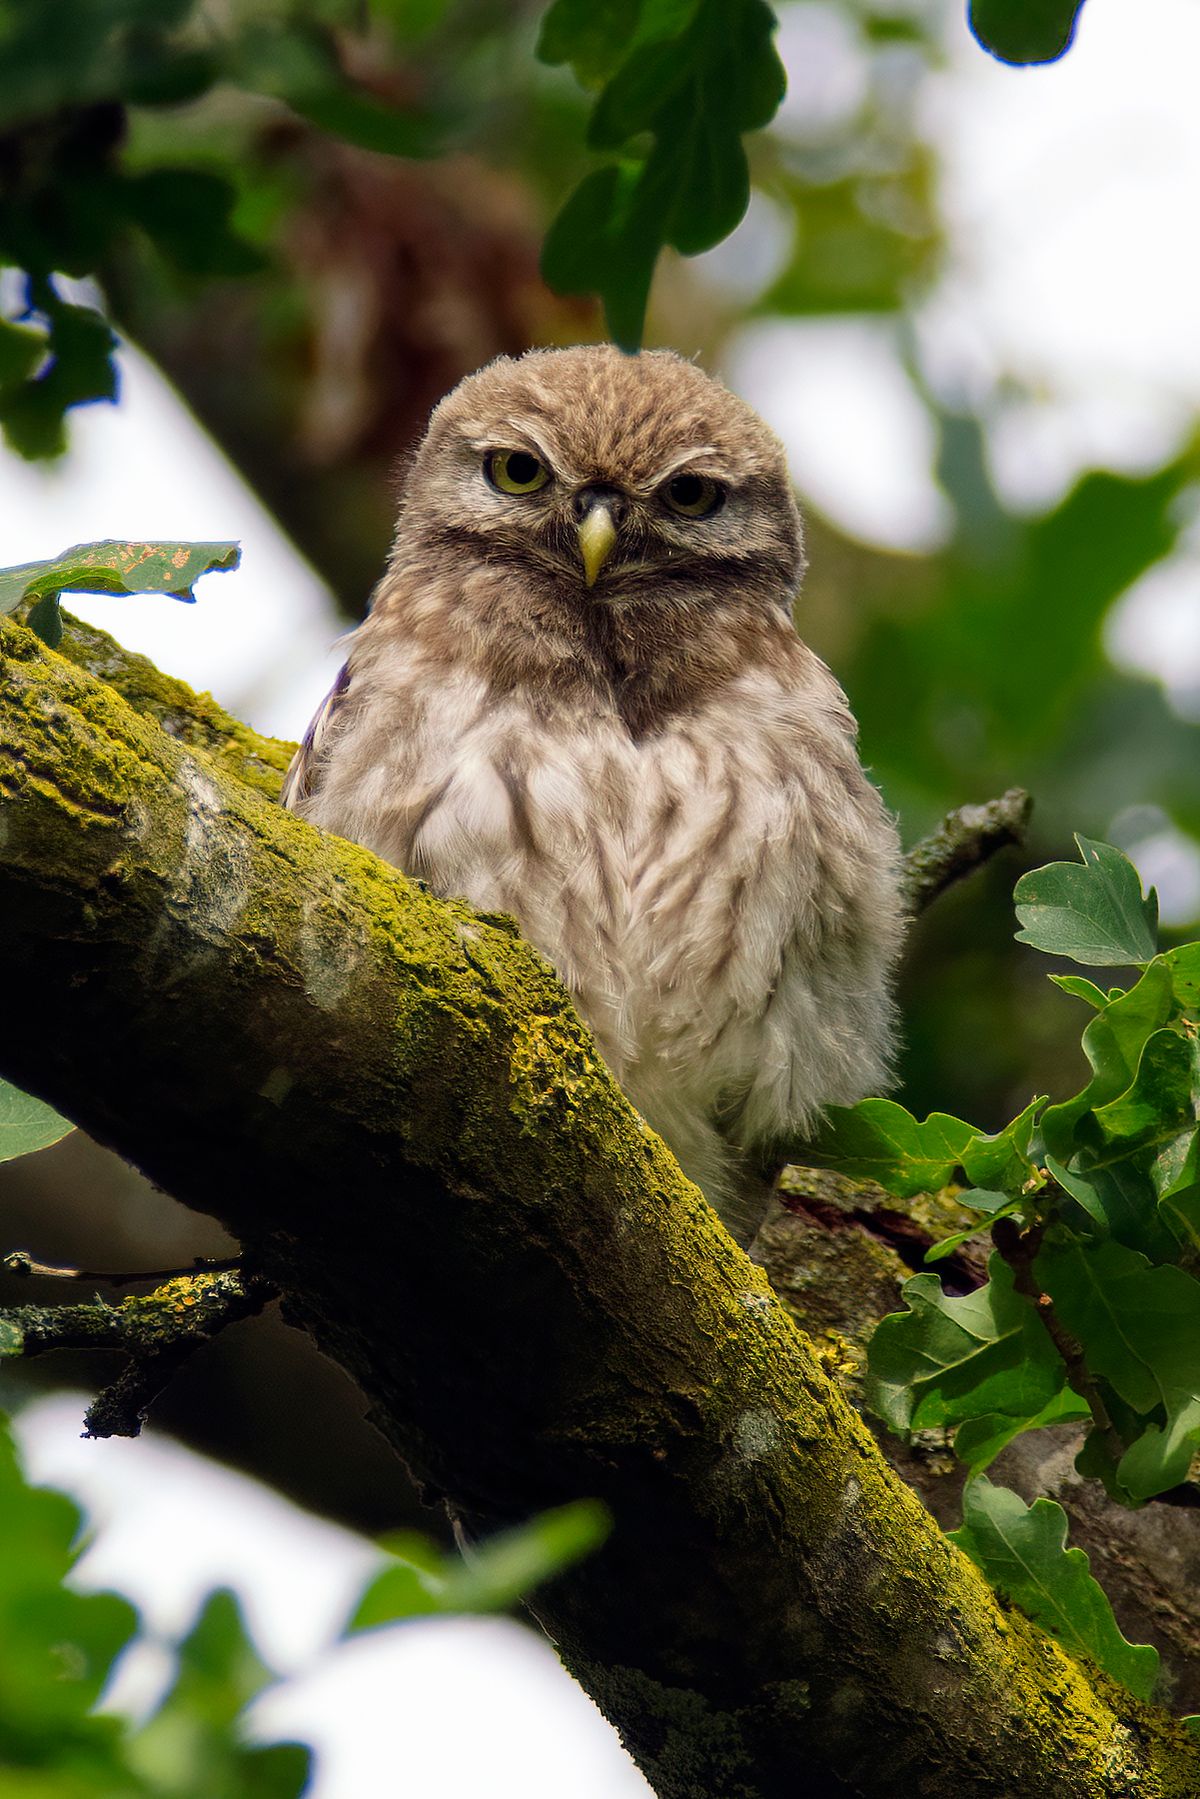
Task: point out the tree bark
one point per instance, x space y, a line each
392 1099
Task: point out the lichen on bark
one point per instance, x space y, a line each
394 1102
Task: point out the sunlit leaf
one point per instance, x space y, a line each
109 568
946 1360
1161 1097
1022 1551
26 1124
79 367
1184 964
591 35
1080 987
192 1745
1113 1044
877 1140
979 1441
1002 1161
57 1647
990 1206
1094 913
22 348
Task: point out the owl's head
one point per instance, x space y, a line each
613 478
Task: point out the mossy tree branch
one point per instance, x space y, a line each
156 1333
966 839
391 1099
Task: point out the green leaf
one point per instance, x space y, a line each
697 75
1113 1044
1025 31
298 62
1023 1554
1161 1097
79 368
947 1360
1175 1175
22 348
1162 1455
605 241
1081 1190
26 1124
1002 1162
1139 1328
1081 988
110 567
57 1647
12 1338
1184 966
191 1746
591 35
1094 914
1119 1197
186 213
877 1140
497 1573
977 1199
509 1566
979 1441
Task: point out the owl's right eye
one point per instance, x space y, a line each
515 471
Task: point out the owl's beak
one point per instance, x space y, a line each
597 535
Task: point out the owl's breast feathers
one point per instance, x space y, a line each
719 893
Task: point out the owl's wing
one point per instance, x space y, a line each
300 779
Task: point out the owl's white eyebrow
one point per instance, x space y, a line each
510 437
667 469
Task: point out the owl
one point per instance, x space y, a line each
579 698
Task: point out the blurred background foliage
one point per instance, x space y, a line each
316 215
194 1736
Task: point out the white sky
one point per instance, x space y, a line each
1072 197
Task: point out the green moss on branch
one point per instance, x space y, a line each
395 1102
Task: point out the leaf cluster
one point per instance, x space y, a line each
1091 1309
679 84
70 81
59 1649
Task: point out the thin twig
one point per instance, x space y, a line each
1019 1249
963 842
20 1262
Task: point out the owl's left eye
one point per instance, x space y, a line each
693 496
515 471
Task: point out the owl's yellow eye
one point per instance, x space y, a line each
515 471
693 496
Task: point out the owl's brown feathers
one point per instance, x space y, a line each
651 772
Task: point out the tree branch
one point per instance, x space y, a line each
192 719
963 842
157 1331
393 1101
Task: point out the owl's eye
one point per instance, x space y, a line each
693 496
515 471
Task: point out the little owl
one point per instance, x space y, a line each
579 698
